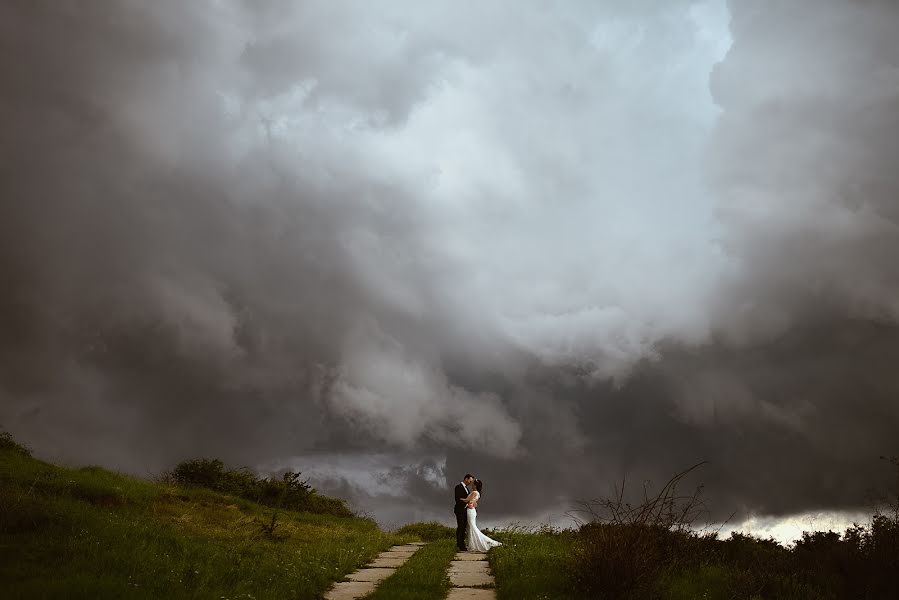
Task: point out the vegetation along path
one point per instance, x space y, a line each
423 577
362 582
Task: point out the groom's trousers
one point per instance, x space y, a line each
461 524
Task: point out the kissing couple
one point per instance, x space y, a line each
465 508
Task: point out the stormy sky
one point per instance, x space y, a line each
388 243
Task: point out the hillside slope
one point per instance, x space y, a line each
91 533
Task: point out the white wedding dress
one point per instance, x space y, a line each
477 541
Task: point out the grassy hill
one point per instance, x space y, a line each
205 531
92 533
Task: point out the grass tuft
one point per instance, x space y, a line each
428 532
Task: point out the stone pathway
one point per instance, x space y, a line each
470 576
363 582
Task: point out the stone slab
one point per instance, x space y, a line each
417 544
405 547
462 579
469 566
470 556
390 562
350 590
471 594
370 575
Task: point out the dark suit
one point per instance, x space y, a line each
461 515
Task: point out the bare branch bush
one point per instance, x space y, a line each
666 509
621 547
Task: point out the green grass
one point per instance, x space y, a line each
423 577
723 582
711 582
531 565
428 532
91 533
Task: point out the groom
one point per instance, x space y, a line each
461 492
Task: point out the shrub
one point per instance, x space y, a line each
326 505
646 551
202 472
621 549
9 444
288 492
623 560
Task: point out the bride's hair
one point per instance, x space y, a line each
478 484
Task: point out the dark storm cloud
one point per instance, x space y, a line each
551 247
181 276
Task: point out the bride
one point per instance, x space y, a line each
477 541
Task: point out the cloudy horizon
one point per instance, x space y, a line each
388 245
